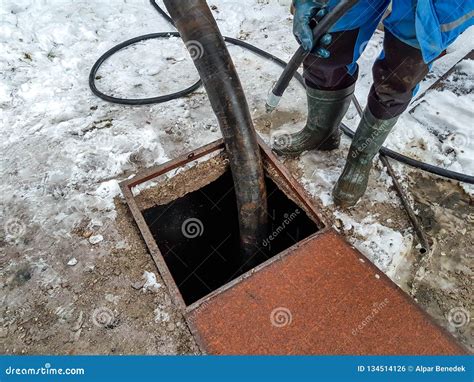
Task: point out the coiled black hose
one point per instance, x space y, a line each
460 177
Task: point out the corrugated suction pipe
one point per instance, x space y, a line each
200 33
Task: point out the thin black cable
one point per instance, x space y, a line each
460 177
136 101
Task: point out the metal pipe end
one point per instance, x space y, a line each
269 108
272 102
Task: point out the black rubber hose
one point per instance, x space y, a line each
136 101
460 177
298 57
178 94
181 93
200 33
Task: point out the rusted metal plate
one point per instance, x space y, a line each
320 297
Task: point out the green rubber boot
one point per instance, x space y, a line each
368 139
326 108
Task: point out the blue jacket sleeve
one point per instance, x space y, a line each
439 22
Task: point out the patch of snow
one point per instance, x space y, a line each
96 239
161 315
72 262
382 245
150 282
114 299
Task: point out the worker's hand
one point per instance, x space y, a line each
305 11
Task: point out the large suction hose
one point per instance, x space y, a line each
200 33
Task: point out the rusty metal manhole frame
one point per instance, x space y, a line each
287 184
298 194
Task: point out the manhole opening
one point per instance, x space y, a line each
198 234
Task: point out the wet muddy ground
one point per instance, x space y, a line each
441 281
105 308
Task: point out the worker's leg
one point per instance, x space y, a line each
329 87
339 70
400 68
330 81
396 74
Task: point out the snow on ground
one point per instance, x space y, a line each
63 150
385 244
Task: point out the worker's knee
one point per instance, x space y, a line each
401 67
327 77
396 77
